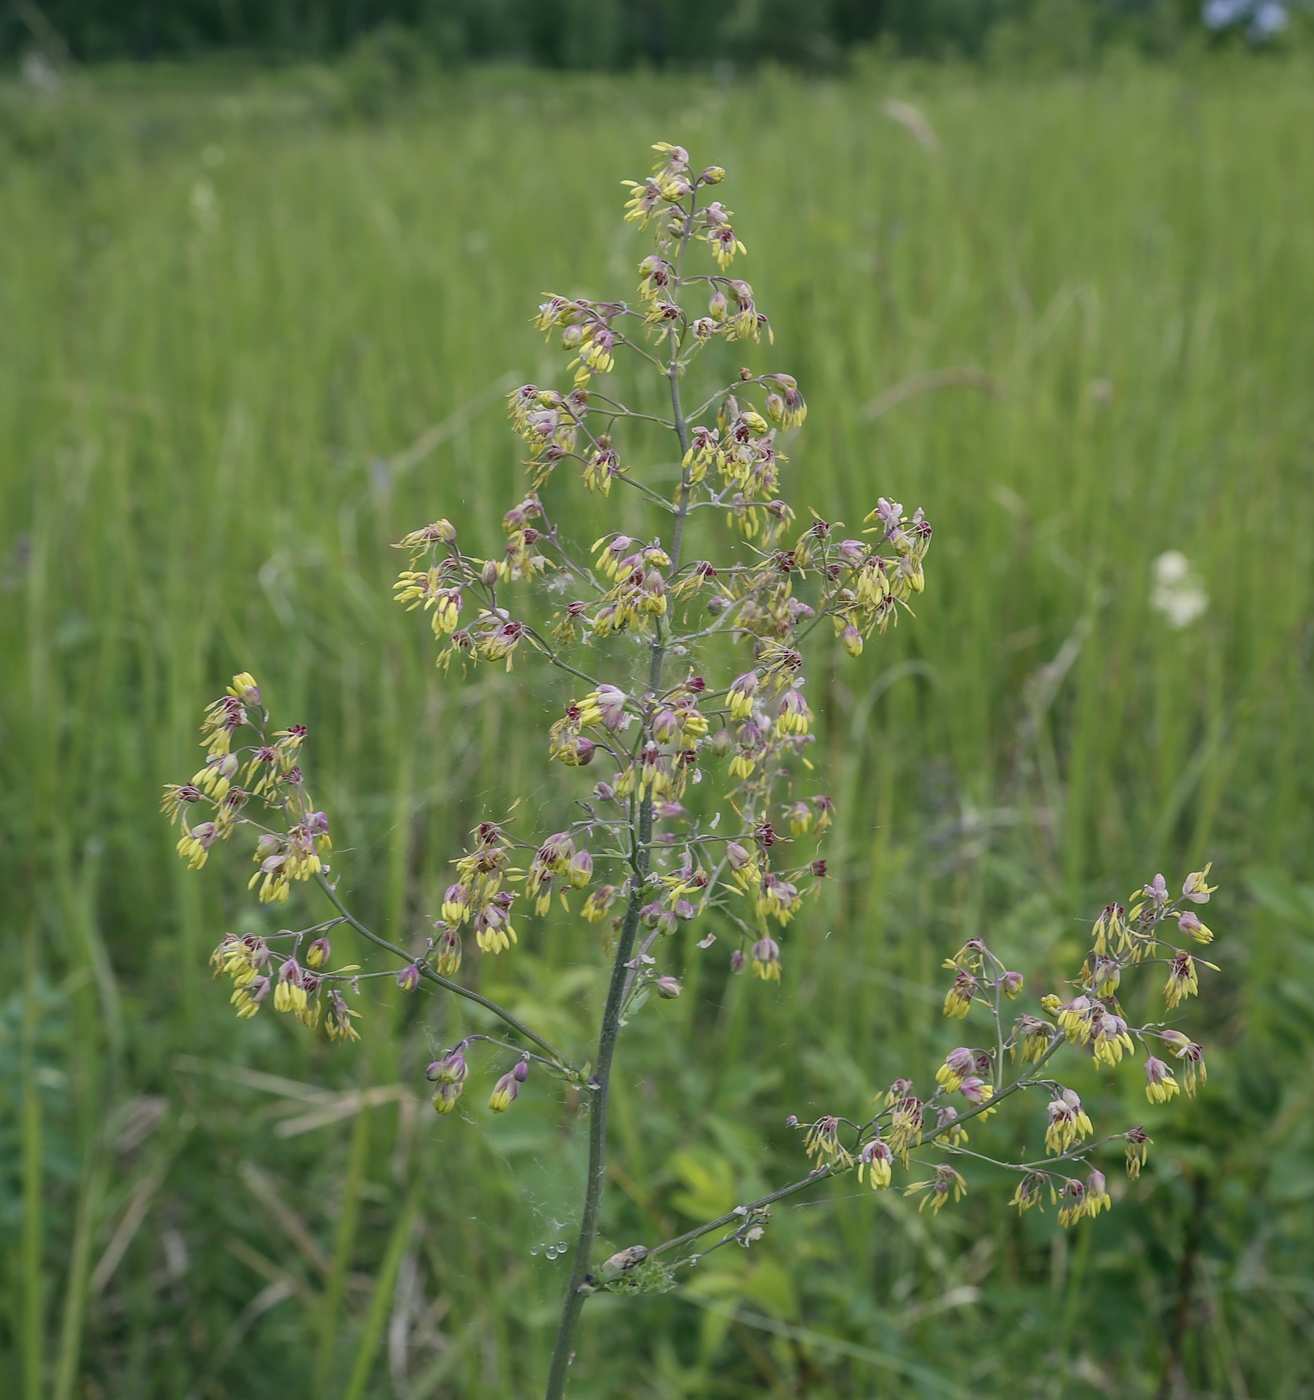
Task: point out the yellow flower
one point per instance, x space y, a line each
194 847
937 1191
338 1023
246 998
958 1064
597 904
1029 1190
289 995
448 961
507 1089
822 1140
245 689
958 999
740 695
1138 1148
445 1097
1182 981
794 715
1160 1085
877 1160
1068 1123
766 959
1195 888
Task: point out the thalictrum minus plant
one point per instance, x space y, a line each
712 699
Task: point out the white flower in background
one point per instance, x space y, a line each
1177 593
204 205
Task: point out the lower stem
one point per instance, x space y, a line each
598 1086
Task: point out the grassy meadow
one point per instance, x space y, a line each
252 334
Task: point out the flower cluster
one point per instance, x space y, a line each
274 781
973 1080
301 984
749 734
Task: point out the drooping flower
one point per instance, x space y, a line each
766 959
876 1160
1068 1122
1160 1085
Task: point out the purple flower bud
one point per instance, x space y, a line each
319 952
521 1072
668 988
665 725
409 978
1157 891
451 1069
649 915
505 1092
738 962
766 951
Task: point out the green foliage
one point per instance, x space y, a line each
249 341
600 34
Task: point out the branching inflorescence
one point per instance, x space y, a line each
634 856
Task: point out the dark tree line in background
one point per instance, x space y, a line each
585 34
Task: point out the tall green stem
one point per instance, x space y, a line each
600 1083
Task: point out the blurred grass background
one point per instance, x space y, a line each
230 310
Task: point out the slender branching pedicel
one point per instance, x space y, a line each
742 857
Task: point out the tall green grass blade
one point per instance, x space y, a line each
385 1282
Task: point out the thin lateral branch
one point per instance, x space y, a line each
624 411
833 1169
737 1216
655 496
430 976
549 654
